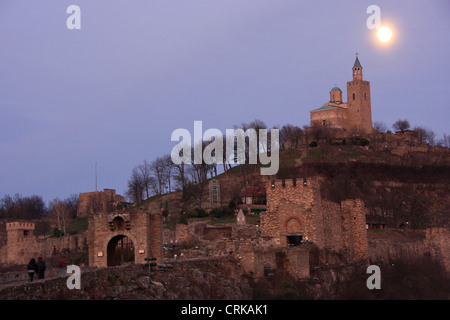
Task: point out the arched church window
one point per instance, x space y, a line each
354 96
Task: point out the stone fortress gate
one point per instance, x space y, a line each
119 237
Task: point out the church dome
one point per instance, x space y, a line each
336 89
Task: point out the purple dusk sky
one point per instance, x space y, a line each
114 91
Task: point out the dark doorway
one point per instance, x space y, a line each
120 251
294 240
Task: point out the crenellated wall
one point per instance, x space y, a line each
295 207
21 251
22 244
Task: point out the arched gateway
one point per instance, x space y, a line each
120 250
119 237
293 231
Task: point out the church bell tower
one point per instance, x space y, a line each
358 101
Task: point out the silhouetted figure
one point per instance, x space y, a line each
32 268
41 268
62 267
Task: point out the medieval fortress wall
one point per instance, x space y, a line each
90 202
295 208
22 244
297 218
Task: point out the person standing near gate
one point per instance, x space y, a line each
32 268
41 268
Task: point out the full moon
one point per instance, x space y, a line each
384 34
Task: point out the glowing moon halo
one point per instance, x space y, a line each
384 34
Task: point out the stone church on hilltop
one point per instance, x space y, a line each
355 114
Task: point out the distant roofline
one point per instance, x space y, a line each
327 108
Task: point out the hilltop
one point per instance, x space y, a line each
382 177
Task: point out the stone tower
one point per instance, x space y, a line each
358 101
296 211
353 223
19 241
18 231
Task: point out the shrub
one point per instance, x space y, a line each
364 142
183 219
197 213
313 144
287 293
221 211
112 278
201 212
192 214
57 232
360 142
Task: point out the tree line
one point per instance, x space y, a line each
58 212
424 134
161 175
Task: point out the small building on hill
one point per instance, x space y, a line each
253 195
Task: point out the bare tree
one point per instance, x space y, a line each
445 141
6 206
426 135
136 187
180 176
307 132
290 133
401 125
168 168
60 213
320 132
72 203
226 161
157 168
199 171
431 137
380 127
144 171
255 125
19 207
